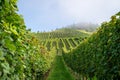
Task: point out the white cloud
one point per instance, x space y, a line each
89 9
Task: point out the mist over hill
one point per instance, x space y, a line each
89 27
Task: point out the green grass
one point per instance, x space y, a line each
59 71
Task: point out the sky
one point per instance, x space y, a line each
46 15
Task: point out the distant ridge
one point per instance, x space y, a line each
89 27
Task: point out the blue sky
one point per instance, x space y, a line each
46 15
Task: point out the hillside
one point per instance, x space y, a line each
66 38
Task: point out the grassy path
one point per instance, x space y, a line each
59 71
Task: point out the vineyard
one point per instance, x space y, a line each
62 54
66 39
97 57
21 55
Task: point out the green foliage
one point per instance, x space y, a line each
21 56
98 56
